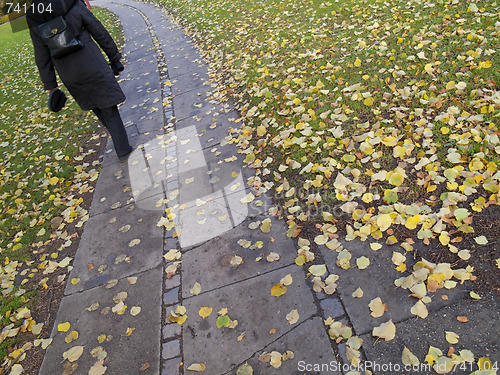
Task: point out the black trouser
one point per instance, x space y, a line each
111 119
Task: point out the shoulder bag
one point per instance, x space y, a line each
59 37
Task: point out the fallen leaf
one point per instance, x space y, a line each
386 331
318 270
73 335
292 316
287 280
358 293
362 262
377 307
196 289
278 290
98 368
63 327
197 367
408 358
73 354
244 369
420 310
451 337
135 310
205 312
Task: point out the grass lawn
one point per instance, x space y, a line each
44 172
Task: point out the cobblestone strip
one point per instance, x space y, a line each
171 353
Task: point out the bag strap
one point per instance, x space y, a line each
70 7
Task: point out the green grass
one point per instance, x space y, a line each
40 160
273 51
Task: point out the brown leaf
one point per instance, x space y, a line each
145 366
69 368
462 319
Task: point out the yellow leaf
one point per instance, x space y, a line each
135 310
197 367
177 319
362 262
386 330
358 293
101 338
451 337
53 180
261 130
398 258
292 316
275 359
75 281
384 222
266 226
481 240
63 327
245 369
377 307
278 290
420 310
485 364
411 222
129 331
98 368
196 289
408 358
401 268
73 354
73 335
287 280
444 238
444 365
368 101
17 369
134 242
205 312
318 270
357 63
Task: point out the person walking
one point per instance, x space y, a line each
84 71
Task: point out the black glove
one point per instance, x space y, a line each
117 67
57 100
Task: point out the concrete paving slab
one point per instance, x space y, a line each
189 81
169 34
112 189
125 354
250 302
105 250
377 281
181 63
190 103
198 264
211 129
313 354
480 335
140 52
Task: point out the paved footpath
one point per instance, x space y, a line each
170 232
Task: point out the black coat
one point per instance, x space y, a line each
85 72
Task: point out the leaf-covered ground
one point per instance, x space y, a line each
48 168
369 120
383 114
